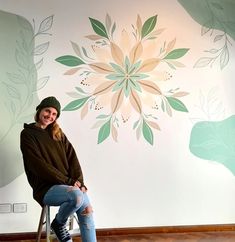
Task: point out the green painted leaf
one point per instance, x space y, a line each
136 123
170 65
135 85
99 28
115 77
79 89
147 132
205 14
177 53
148 26
134 67
163 105
176 104
126 88
118 85
117 68
113 28
76 104
102 116
69 60
104 132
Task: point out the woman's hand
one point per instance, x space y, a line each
83 189
79 185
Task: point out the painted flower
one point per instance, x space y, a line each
122 75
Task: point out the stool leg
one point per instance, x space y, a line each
40 225
71 217
48 225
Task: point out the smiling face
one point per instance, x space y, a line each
46 116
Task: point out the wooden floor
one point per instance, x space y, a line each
191 233
224 236
175 237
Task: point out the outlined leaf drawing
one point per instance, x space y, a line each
217 22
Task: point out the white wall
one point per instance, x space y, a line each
132 183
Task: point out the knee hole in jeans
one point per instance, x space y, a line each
88 210
76 196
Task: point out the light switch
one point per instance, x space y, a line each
19 207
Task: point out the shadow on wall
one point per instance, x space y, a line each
18 86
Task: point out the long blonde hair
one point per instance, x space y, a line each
54 128
56 131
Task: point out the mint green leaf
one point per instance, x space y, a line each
176 104
126 88
127 64
117 68
115 77
177 53
148 26
134 67
69 60
215 140
79 89
113 28
170 65
136 123
76 104
139 76
99 28
147 132
163 106
135 85
104 132
102 116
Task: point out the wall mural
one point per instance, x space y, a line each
19 85
212 139
212 15
121 74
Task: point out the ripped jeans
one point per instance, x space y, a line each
71 200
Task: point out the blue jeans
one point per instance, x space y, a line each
71 200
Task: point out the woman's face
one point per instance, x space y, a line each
47 116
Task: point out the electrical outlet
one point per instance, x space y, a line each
5 208
19 207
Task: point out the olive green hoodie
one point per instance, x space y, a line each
48 162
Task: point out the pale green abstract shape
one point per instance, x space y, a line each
18 85
213 14
215 141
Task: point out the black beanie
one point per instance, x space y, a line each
50 102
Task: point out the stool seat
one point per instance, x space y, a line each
45 220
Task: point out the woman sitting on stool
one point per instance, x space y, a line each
54 173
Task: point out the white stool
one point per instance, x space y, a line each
45 219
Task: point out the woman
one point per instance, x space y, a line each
54 172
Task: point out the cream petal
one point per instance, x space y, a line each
125 42
102 54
